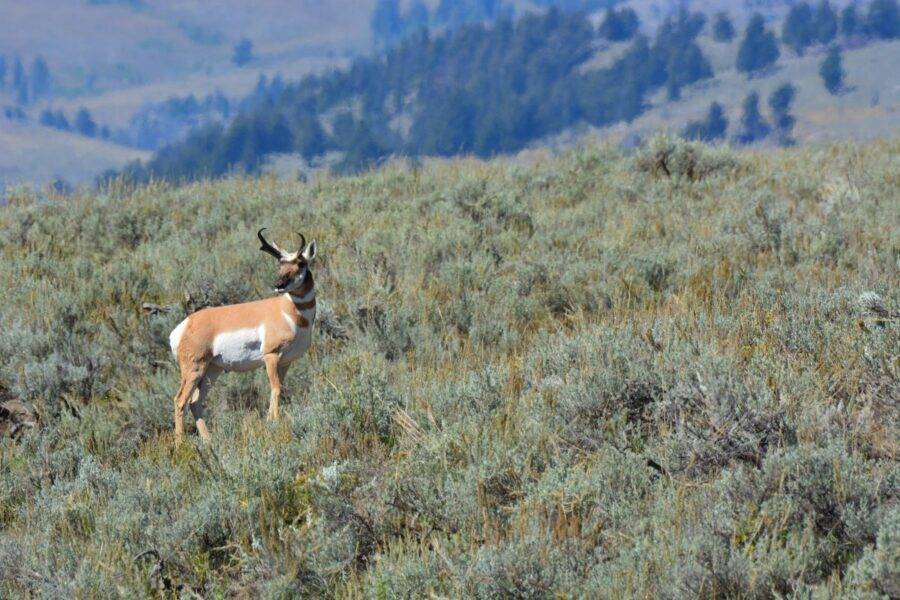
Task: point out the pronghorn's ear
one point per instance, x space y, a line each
309 253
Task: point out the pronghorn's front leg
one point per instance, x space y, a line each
274 373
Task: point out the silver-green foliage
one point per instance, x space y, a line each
667 375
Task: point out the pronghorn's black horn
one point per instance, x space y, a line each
267 247
302 242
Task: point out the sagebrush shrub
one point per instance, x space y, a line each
591 375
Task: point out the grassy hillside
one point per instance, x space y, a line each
660 375
33 154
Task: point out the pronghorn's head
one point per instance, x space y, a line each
293 267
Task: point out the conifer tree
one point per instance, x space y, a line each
850 24
832 71
753 126
619 25
797 30
712 128
723 30
416 17
20 81
759 48
243 52
40 78
780 103
825 23
387 24
84 123
883 19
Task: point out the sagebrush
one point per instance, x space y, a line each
579 377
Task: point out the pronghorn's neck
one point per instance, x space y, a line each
304 297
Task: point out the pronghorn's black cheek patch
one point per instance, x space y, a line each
283 281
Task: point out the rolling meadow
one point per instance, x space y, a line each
671 373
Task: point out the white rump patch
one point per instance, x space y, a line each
239 350
175 336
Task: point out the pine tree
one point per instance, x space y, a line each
309 137
759 48
716 122
780 103
849 21
243 52
20 81
832 71
825 23
753 126
22 95
883 19
712 128
84 123
18 73
386 24
2 72
40 78
47 118
56 120
723 30
619 25
416 17
797 30
61 121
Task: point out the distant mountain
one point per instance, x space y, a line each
544 78
151 72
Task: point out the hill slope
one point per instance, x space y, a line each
131 42
869 107
525 381
34 155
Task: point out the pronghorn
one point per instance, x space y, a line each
240 337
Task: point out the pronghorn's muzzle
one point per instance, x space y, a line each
287 283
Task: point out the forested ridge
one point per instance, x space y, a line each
478 89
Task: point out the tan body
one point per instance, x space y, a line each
240 337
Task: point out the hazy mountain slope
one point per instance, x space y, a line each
116 107
34 155
123 45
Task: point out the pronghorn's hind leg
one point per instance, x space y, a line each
199 397
191 377
274 373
